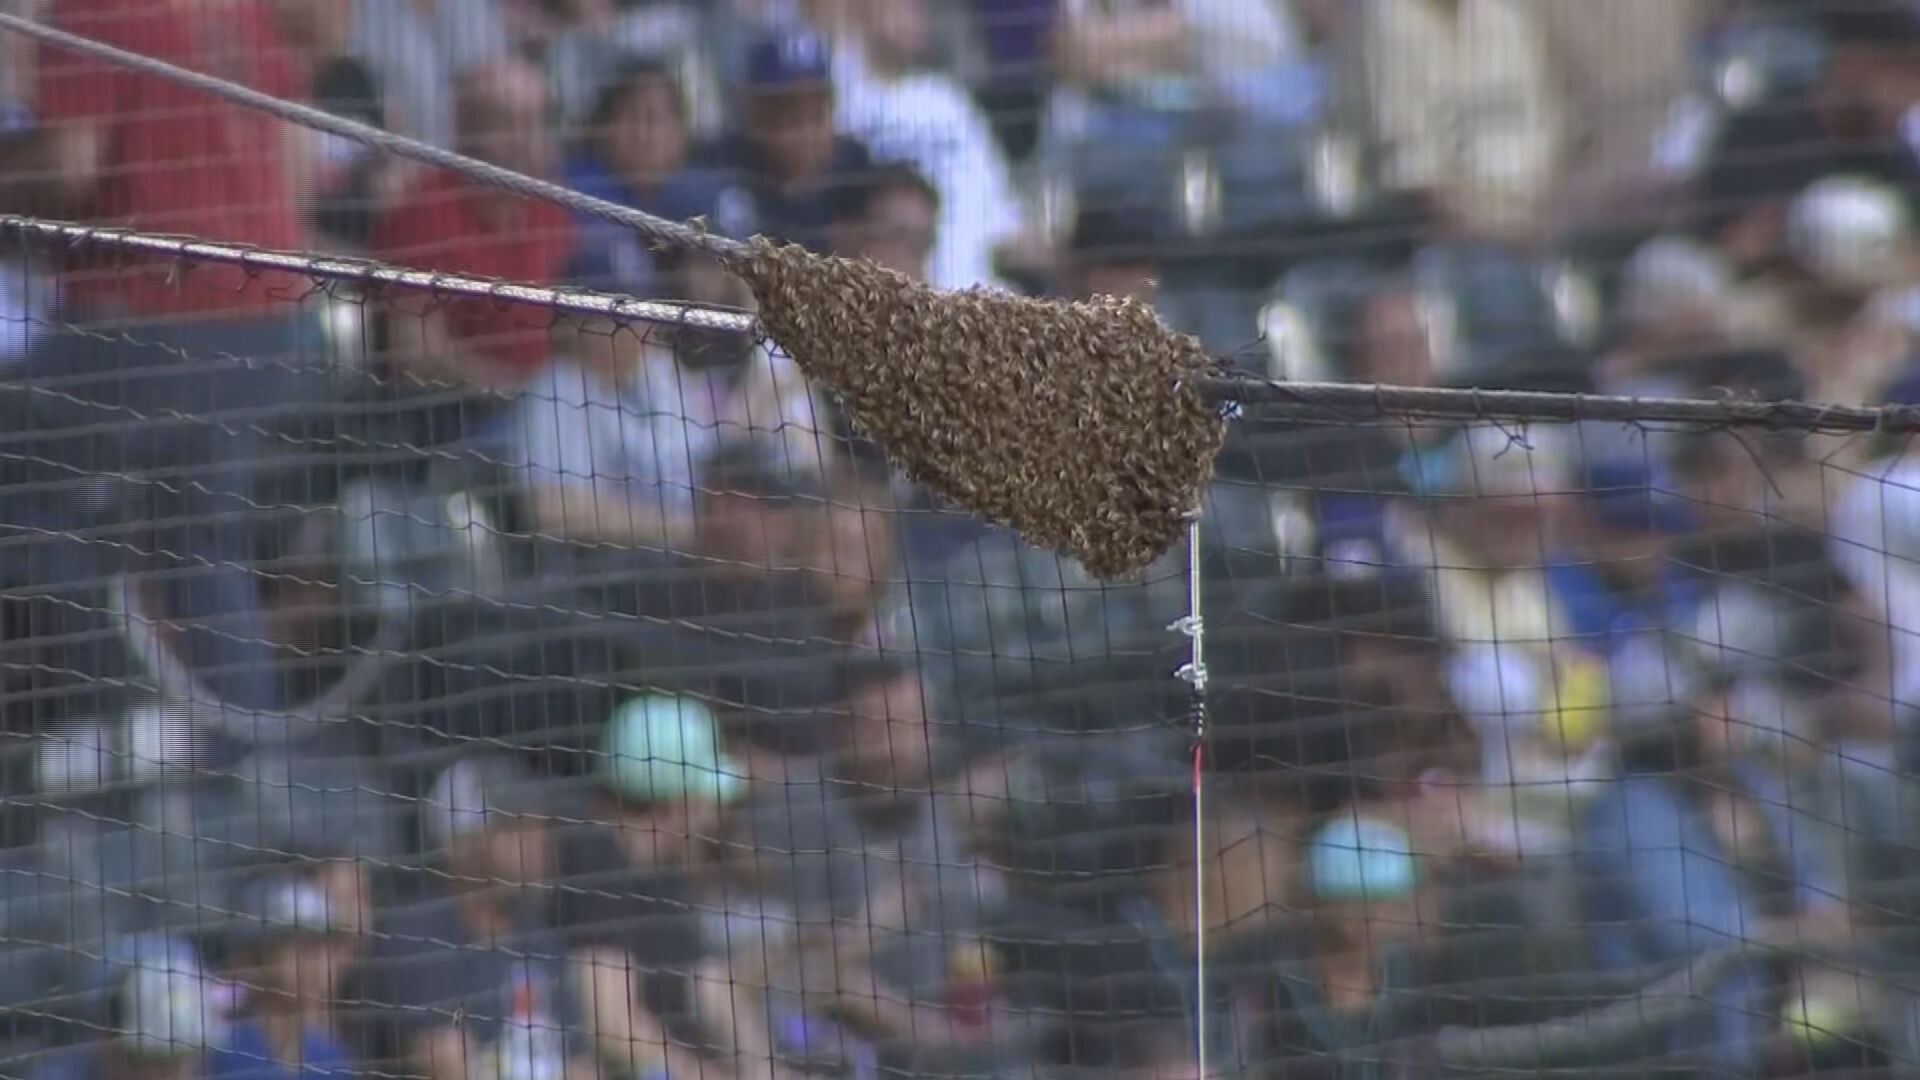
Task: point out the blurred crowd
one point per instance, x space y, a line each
409 683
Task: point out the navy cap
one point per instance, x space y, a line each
787 60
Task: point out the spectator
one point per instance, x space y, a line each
611 441
787 152
1462 104
636 153
352 182
891 216
474 974
122 146
887 98
1161 53
1014 94
419 48
1706 842
448 223
164 1013
664 785
1111 254
601 37
1344 991
293 952
1625 66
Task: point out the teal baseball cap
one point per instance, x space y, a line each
1361 858
662 747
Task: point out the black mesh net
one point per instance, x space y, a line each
471 670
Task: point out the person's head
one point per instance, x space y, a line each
1112 254
891 216
1392 346
663 751
896 33
165 1009
295 943
1363 877
756 510
504 116
639 122
487 819
789 104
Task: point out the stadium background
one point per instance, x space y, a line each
406 684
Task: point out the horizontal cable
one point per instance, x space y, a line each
1330 402
1313 402
374 275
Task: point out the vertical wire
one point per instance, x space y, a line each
1195 673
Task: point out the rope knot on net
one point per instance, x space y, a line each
1076 423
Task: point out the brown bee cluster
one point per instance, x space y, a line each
1074 423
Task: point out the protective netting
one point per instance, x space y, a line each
499 660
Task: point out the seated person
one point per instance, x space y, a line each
610 439
891 216
295 946
1219 50
1707 841
1342 990
1112 254
906 110
787 152
626 877
474 973
636 152
450 224
164 1014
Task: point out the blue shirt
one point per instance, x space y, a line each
612 256
248 1057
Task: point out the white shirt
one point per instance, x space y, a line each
930 121
779 406
643 441
1466 101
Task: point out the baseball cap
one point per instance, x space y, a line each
788 60
661 747
478 792
1361 858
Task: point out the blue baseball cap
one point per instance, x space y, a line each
788 60
1361 858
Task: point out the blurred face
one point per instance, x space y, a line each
1393 348
899 232
748 530
504 118
794 128
306 970
648 138
509 854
